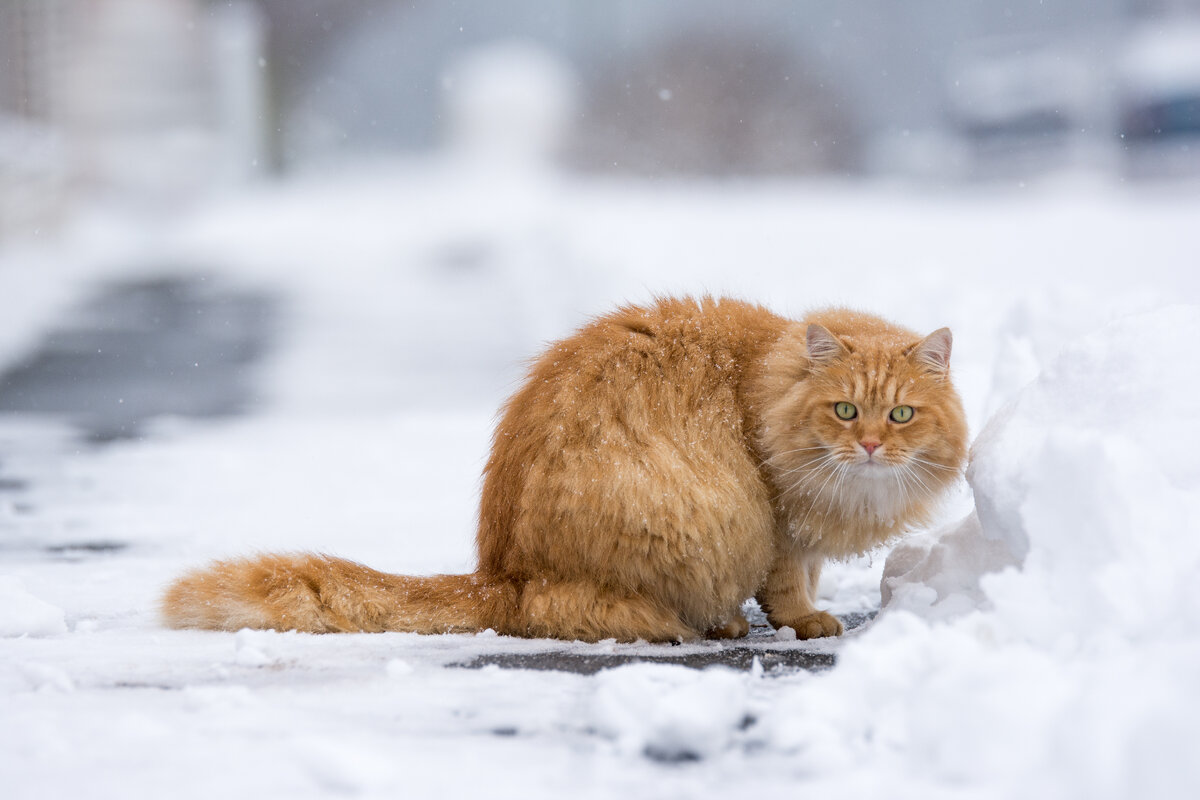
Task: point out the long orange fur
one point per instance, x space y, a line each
655 470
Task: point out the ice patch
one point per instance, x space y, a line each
22 614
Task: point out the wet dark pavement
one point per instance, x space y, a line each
739 654
172 346
732 655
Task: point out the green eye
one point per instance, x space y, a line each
902 413
845 410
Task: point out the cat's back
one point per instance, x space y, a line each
640 365
674 351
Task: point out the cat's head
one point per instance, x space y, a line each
880 403
870 424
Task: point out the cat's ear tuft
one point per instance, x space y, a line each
823 346
934 350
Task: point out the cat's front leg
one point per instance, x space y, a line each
789 596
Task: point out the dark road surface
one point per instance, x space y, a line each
737 654
172 346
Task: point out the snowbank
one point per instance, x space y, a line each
1086 480
1062 654
1091 477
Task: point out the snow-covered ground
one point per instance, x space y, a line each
410 295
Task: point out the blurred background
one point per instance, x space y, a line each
399 200
160 100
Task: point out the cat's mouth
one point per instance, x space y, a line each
875 465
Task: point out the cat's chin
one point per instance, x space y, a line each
870 468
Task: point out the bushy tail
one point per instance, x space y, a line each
320 594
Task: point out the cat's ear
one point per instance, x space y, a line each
823 346
934 350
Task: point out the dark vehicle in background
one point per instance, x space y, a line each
1158 98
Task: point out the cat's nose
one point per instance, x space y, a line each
870 447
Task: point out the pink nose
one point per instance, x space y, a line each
870 447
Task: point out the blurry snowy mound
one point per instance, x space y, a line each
670 713
509 103
1085 488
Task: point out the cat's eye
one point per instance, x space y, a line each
845 410
902 413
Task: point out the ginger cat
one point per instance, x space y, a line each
655 470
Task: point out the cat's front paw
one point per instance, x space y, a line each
736 628
816 625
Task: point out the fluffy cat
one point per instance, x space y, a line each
655 470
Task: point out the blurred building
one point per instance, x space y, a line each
32 168
710 87
138 101
163 99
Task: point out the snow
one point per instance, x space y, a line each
22 614
1065 613
1046 645
1085 481
670 714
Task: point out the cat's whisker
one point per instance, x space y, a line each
796 450
934 476
834 493
811 460
803 481
905 471
928 472
782 456
810 465
911 473
840 470
912 481
815 472
897 474
933 464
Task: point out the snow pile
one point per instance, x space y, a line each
913 707
22 614
937 574
668 712
1087 479
1091 476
